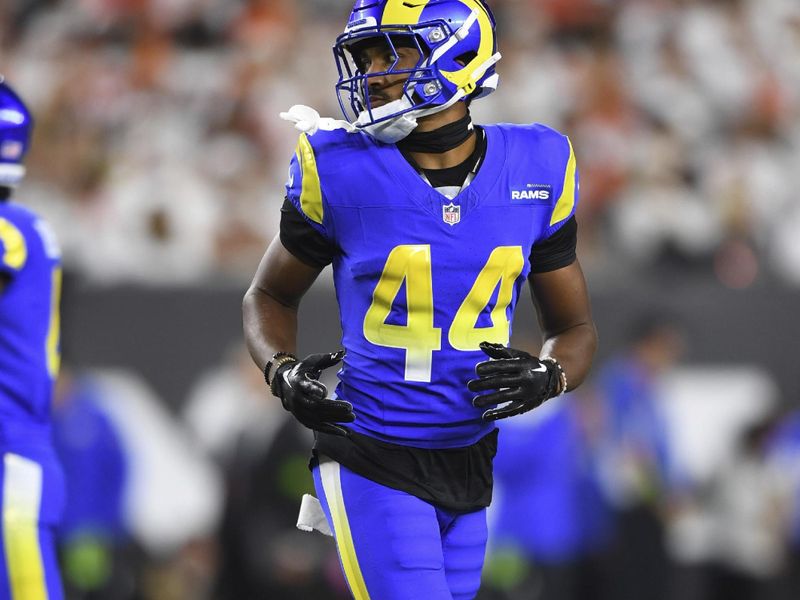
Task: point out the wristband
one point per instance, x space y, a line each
276 361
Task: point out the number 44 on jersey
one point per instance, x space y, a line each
418 337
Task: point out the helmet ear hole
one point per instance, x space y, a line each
465 58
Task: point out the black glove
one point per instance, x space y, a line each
521 380
295 383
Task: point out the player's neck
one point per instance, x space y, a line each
461 151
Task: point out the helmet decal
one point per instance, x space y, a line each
468 76
403 12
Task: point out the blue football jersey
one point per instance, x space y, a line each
29 321
421 279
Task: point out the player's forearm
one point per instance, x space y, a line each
574 349
269 326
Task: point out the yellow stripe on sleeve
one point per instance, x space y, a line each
22 495
566 202
15 251
332 484
54 330
311 191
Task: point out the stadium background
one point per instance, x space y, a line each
160 161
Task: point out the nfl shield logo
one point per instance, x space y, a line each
451 213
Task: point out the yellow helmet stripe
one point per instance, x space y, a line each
403 12
311 191
467 77
566 201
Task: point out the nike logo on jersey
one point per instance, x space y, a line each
290 181
533 191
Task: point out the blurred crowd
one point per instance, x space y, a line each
160 158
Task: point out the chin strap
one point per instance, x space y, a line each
393 130
306 119
390 131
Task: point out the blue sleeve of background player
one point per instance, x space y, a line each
13 248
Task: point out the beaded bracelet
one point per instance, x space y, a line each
562 377
276 360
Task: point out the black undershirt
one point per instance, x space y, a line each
557 251
439 141
457 479
451 176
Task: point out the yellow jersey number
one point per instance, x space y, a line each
418 337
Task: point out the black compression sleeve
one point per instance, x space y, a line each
557 251
302 240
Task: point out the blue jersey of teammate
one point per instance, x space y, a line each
422 279
29 321
31 480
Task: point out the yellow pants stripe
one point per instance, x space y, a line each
22 495
332 484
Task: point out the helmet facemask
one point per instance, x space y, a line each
420 87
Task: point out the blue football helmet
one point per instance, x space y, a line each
16 124
458 52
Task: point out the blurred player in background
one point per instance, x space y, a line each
30 286
432 226
643 479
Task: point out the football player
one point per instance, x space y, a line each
31 481
432 225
